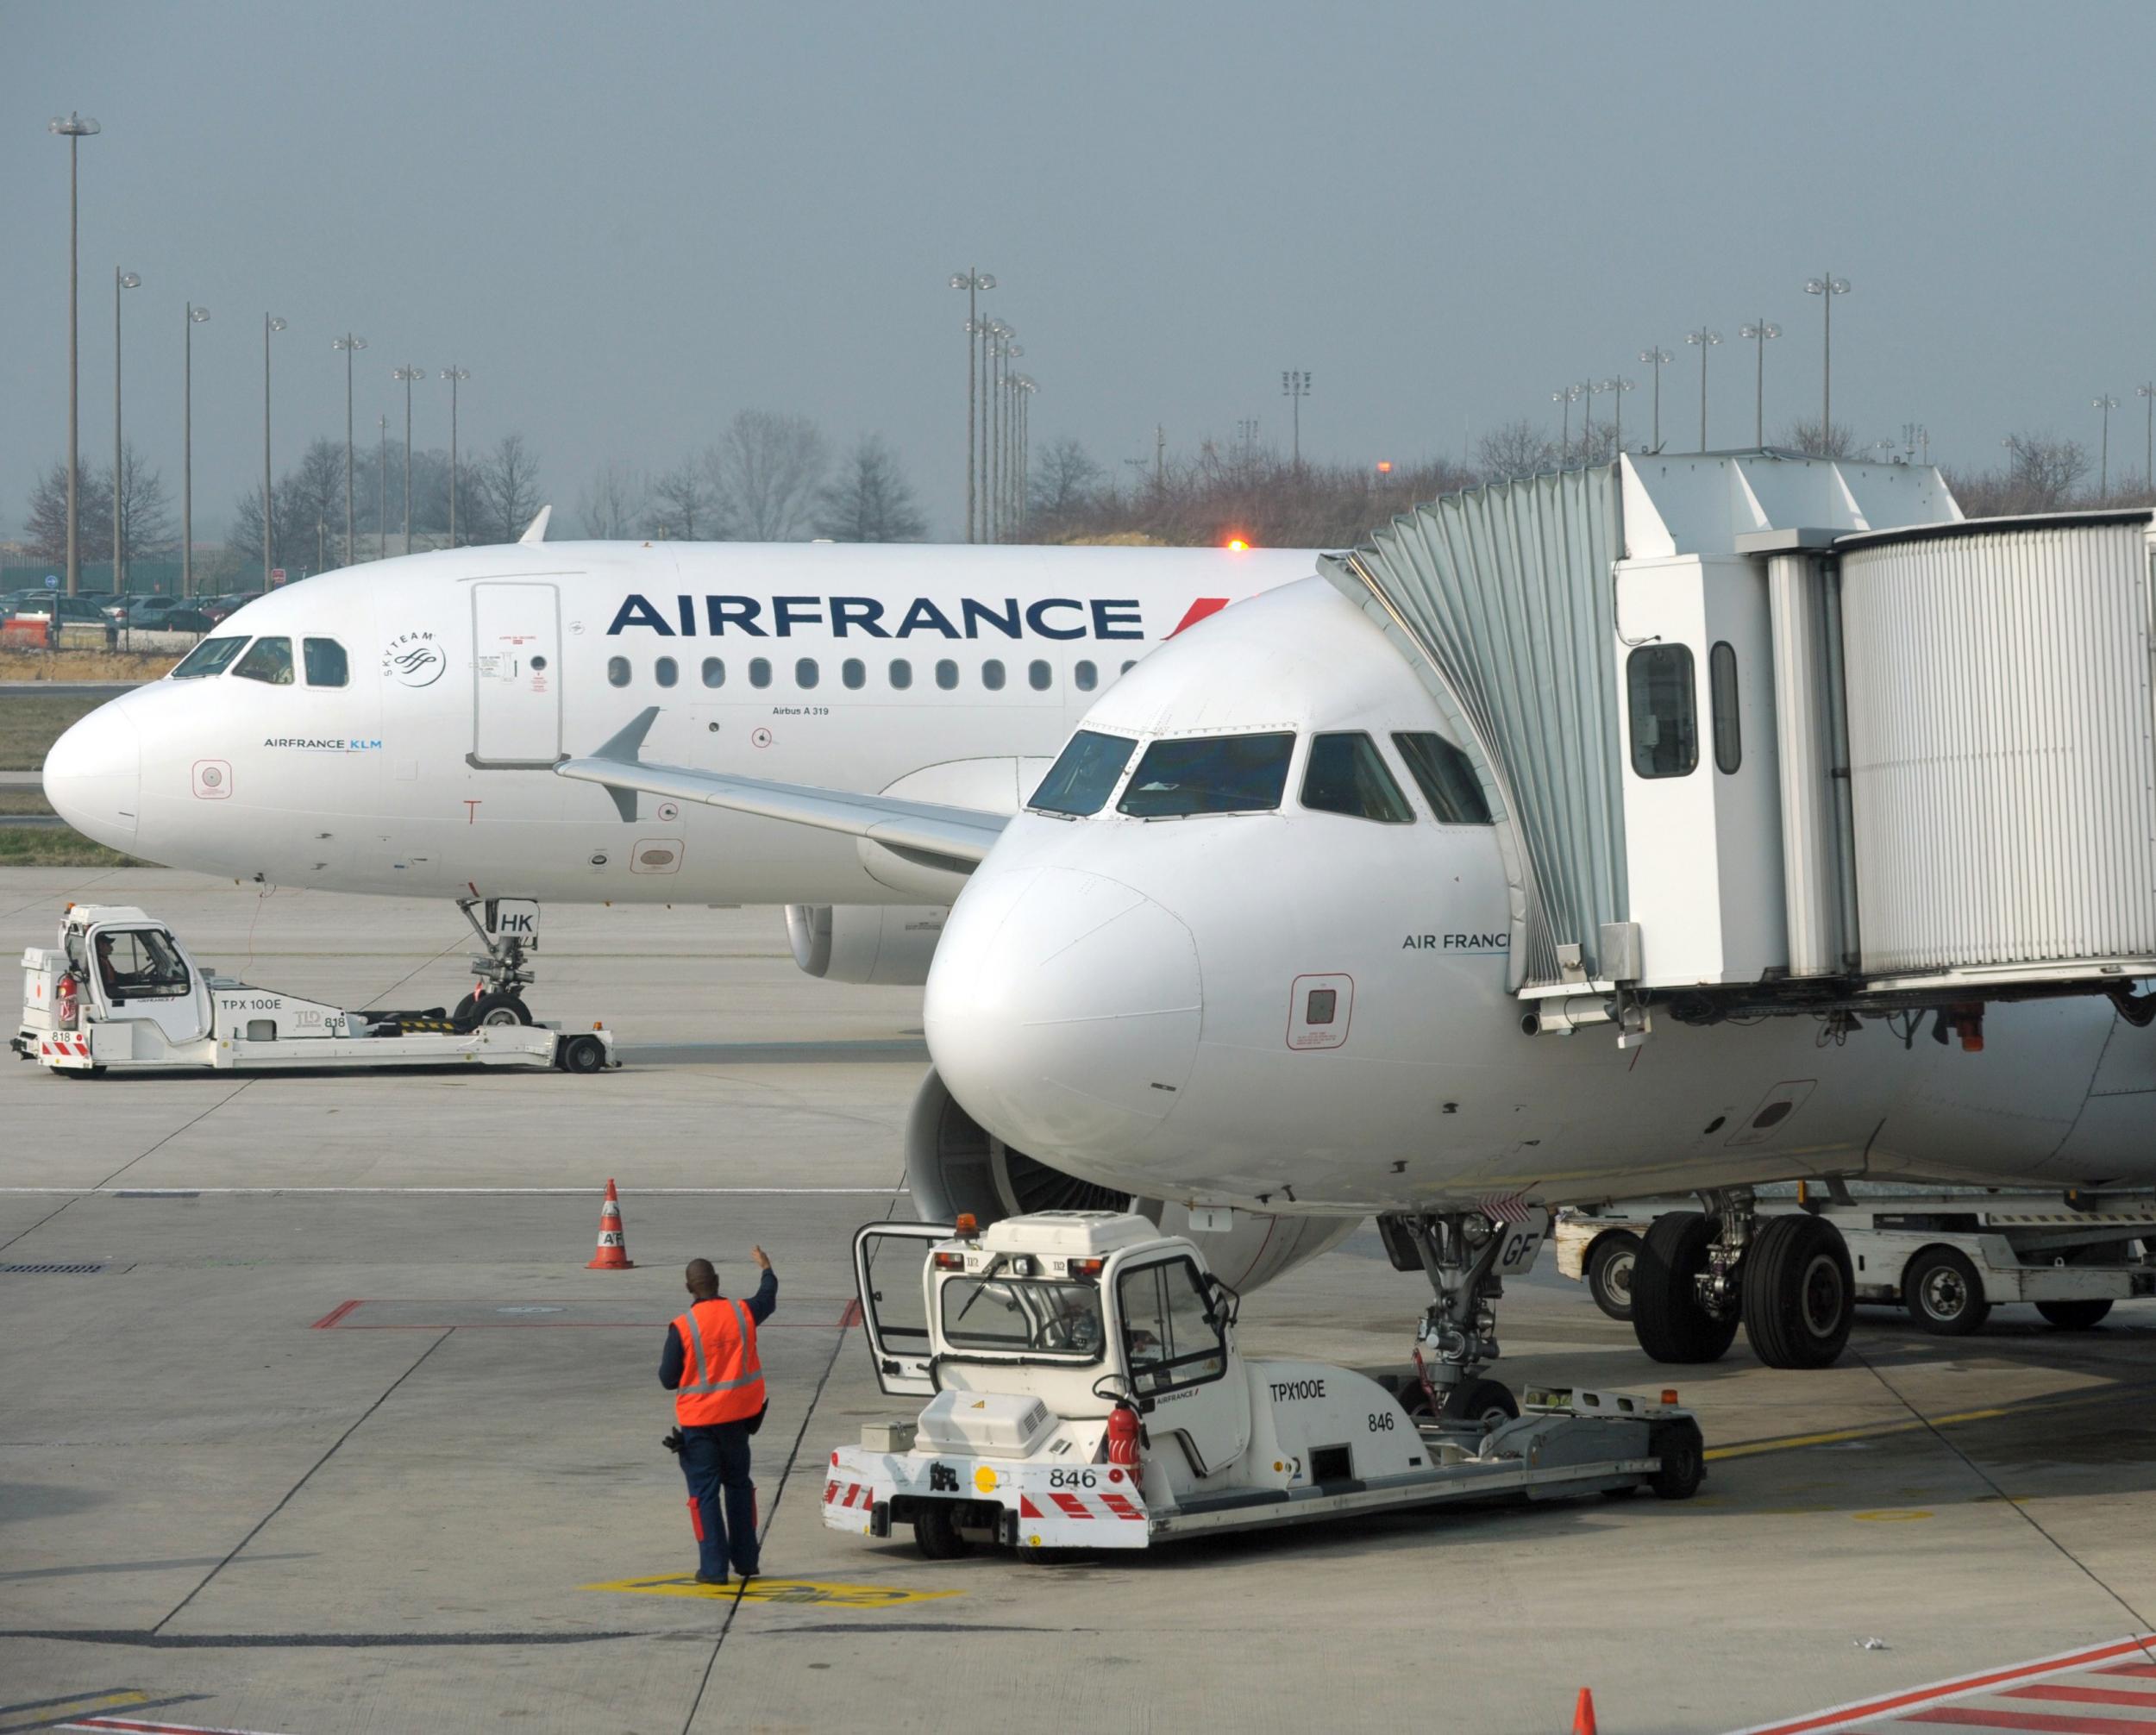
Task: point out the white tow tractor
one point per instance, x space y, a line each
1084 1390
119 990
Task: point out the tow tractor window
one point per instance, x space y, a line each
211 656
267 660
1083 779
1171 1330
139 964
1346 774
327 665
1217 773
1664 713
1446 777
1022 1315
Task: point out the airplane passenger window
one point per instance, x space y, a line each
992 675
946 673
1129 666
1446 777
805 673
1721 683
853 672
759 672
267 660
902 673
1665 714
1346 775
1085 676
327 664
617 671
666 671
211 656
1084 775
714 672
1214 774
1039 676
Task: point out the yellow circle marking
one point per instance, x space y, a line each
806 1591
1890 1516
985 1480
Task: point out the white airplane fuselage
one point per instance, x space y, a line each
467 674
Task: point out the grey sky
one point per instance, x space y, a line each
630 221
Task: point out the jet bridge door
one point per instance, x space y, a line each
891 1268
516 676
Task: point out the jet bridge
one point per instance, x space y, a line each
1767 733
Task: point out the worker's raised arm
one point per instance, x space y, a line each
766 1299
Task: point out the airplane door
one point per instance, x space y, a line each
516 676
891 1266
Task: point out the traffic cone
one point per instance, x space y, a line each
613 1246
1583 1715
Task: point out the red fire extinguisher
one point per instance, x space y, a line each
67 1008
1123 1435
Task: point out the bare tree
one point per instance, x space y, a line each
870 501
1065 478
1838 441
507 484
684 505
2042 473
45 526
1517 448
767 469
613 504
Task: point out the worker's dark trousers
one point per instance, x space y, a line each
716 1460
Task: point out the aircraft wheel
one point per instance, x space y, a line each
492 1009
581 1055
1799 1291
1610 1272
1666 1314
1944 1294
2074 1316
936 1532
1483 1403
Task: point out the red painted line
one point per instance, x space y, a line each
2083 1695
1972 1716
2145 1670
1072 1505
1843 1716
334 1314
136 1728
1200 610
1121 1506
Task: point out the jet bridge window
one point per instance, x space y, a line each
1446 777
1171 1330
1721 684
1022 1316
1665 710
327 664
1084 776
1216 774
269 661
1346 774
211 656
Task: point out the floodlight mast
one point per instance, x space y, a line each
974 282
74 129
408 373
120 279
456 377
270 324
1827 286
196 315
349 345
2105 401
1759 331
1706 339
1655 357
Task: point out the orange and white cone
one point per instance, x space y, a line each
613 1246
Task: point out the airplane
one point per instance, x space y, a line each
1248 950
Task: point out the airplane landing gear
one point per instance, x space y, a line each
1787 1279
504 970
1459 1251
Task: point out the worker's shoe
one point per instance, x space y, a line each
705 1578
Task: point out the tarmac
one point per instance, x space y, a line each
312 1421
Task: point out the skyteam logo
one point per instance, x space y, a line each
414 659
967 617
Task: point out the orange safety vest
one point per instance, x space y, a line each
722 1378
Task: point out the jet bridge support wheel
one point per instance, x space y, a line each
1668 1317
1800 1293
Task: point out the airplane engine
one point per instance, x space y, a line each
954 1164
884 945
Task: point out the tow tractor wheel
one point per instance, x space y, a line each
1481 1404
580 1055
1943 1292
492 1009
1684 1455
935 1531
2074 1316
1799 1292
1610 1272
1666 1314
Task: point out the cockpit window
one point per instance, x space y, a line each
267 660
1217 773
1346 774
1446 777
327 665
211 656
1084 777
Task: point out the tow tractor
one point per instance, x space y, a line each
1085 1391
119 990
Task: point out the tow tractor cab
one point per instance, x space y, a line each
1084 1389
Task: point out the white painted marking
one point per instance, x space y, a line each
518 1192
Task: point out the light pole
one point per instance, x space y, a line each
196 315
1566 395
1827 286
270 324
974 282
1706 339
1006 517
991 396
1654 358
1759 331
349 345
120 279
455 376
408 373
1617 388
1294 385
381 493
2107 404
1026 389
2147 392
74 129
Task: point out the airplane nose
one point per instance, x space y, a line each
93 776
1063 1010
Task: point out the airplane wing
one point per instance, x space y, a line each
957 838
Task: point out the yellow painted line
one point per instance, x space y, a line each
67 1708
1793 1442
1890 1516
806 1593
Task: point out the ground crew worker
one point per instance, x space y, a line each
712 1367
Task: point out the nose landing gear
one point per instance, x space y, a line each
1787 1278
504 970
1460 1252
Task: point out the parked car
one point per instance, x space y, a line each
184 620
51 606
220 608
